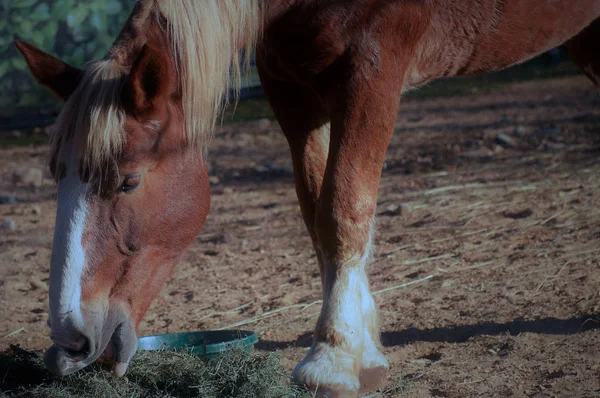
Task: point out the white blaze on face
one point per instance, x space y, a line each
68 254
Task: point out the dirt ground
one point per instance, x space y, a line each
487 270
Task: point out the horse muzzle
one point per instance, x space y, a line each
112 340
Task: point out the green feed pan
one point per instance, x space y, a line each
208 344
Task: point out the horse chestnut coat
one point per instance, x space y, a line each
129 150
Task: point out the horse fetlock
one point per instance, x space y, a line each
372 356
329 371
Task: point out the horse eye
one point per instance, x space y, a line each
130 183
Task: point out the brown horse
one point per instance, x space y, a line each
129 151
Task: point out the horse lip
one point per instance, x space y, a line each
60 363
62 360
79 349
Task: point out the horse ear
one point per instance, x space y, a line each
150 81
51 72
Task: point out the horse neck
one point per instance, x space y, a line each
207 37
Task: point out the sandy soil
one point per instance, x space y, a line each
501 246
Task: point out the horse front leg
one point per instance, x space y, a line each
304 119
345 357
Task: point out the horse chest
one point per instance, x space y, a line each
308 38
305 43
300 55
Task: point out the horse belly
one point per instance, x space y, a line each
526 28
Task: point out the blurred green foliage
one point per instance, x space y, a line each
75 31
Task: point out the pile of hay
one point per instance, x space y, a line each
151 374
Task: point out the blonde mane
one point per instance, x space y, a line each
207 38
93 117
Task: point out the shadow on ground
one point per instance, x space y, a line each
461 334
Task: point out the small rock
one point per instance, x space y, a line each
8 225
214 180
517 214
498 149
261 169
263 124
278 167
35 284
8 200
433 356
227 191
521 130
546 132
32 176
36 210
392 210
505 140
553 146
404 304
421 362
188 296
481 154
490 134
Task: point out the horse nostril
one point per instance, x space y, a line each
131 247
78 349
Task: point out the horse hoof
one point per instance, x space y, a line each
328 372
321 391
374 369
372 378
